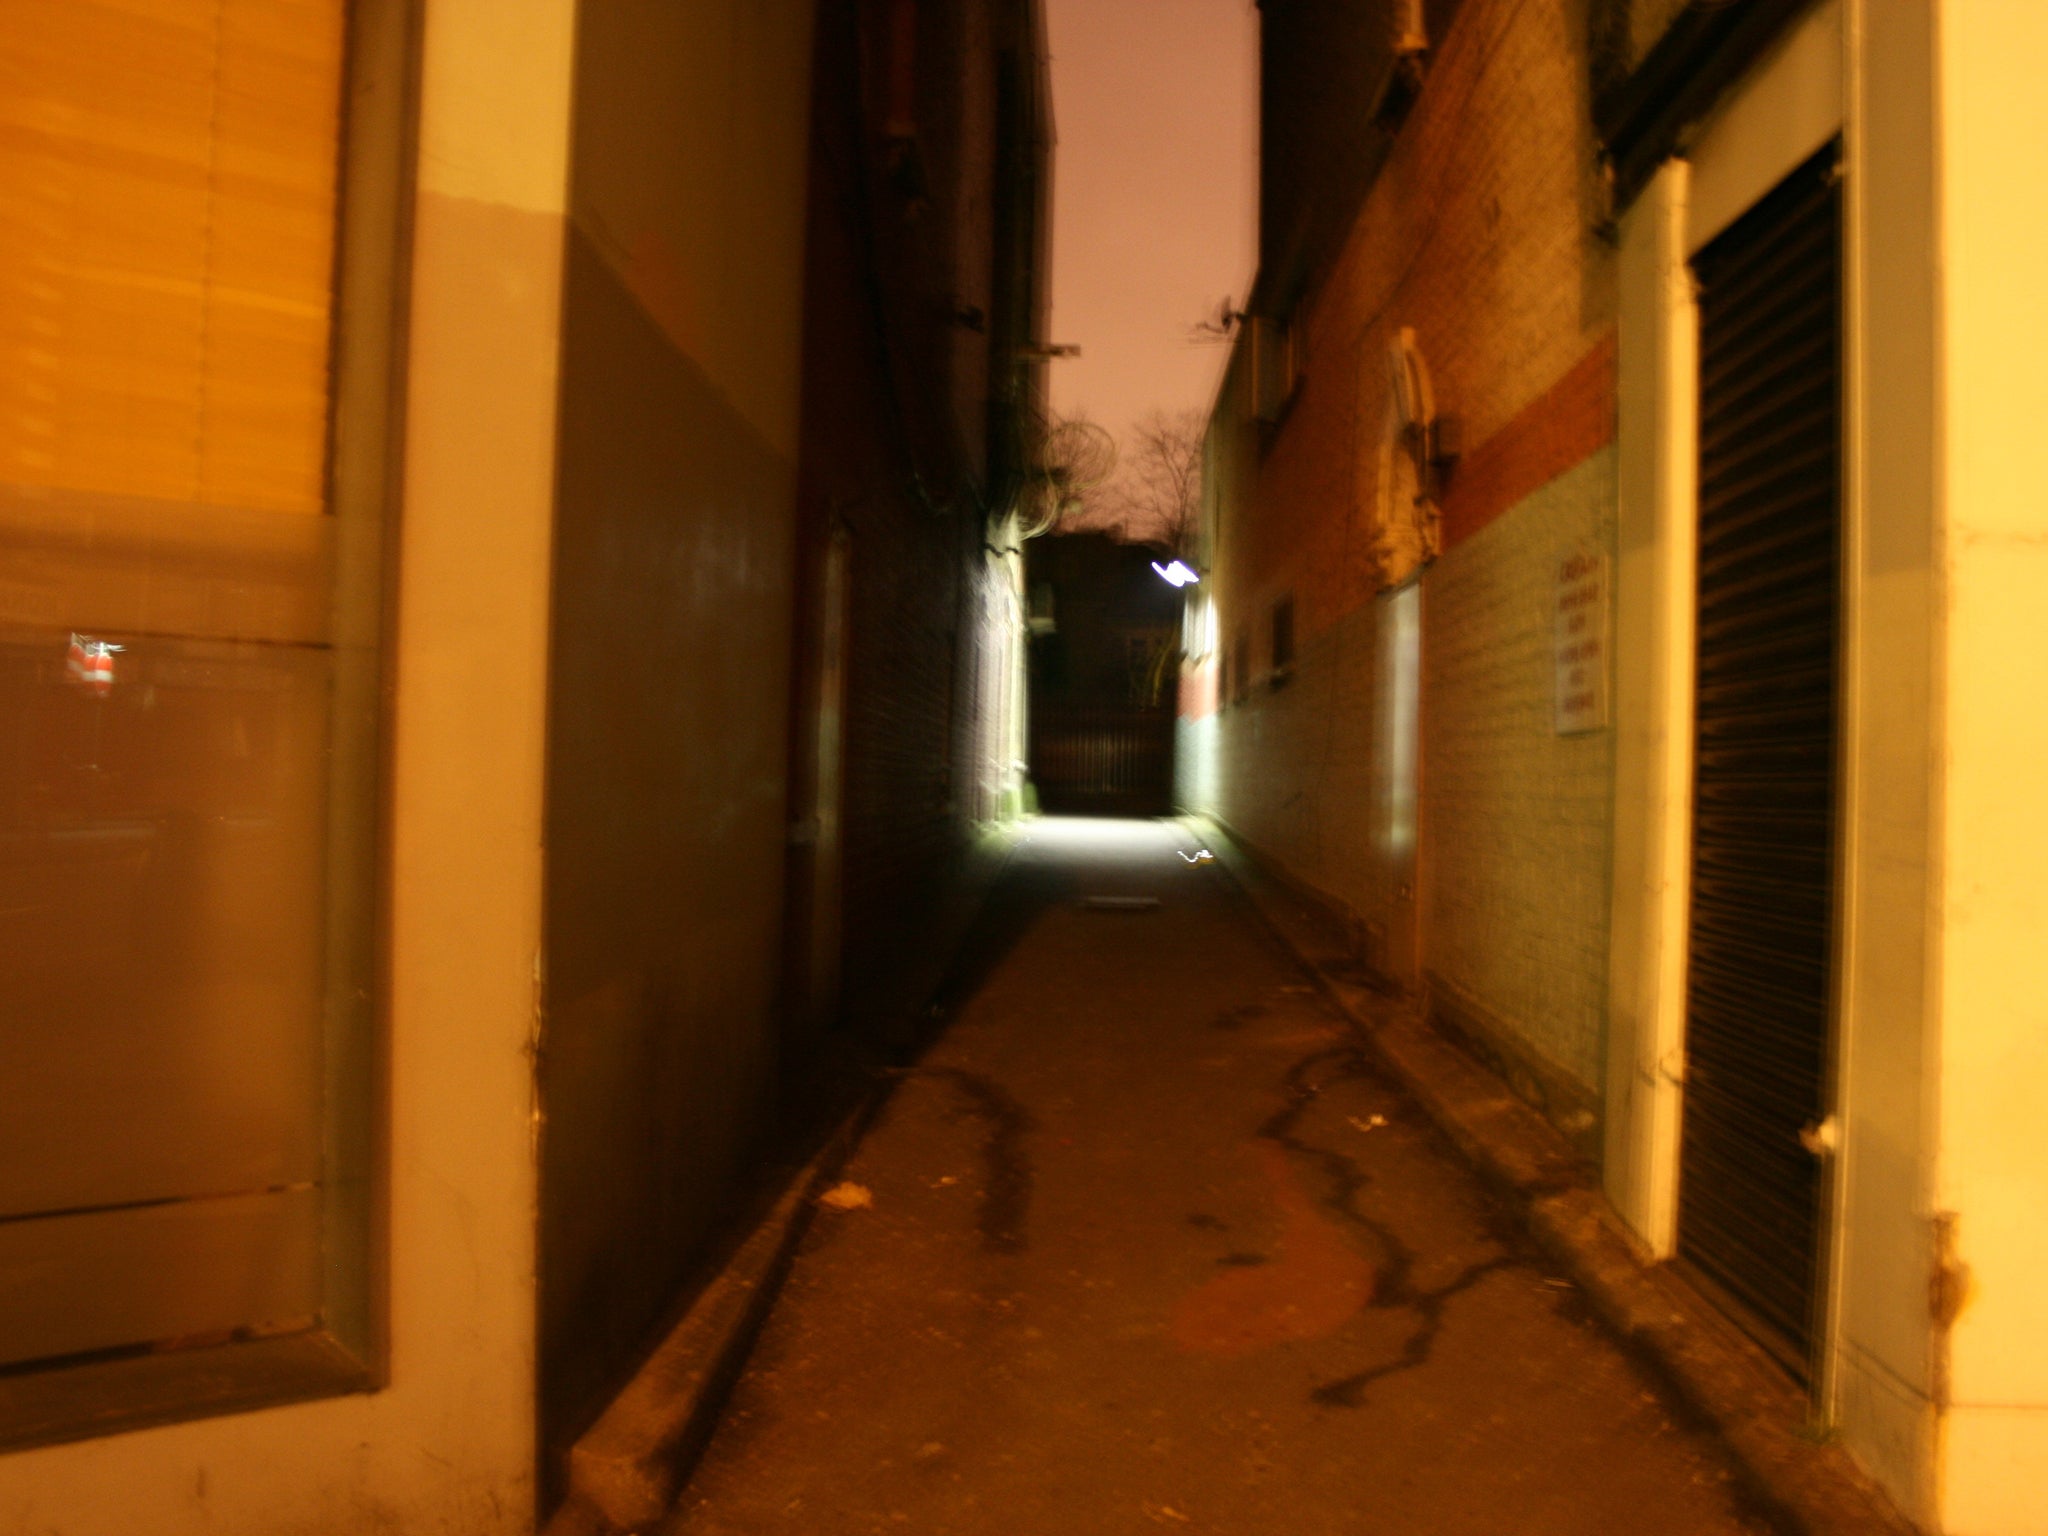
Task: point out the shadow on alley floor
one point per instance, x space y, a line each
1152 1247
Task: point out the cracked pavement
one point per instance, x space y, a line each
1154 1245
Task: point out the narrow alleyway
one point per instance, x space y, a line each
1153 1247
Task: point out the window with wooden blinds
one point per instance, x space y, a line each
167 175
188 665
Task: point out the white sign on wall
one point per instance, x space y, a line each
1581 640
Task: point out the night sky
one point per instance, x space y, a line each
1154 195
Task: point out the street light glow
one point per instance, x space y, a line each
1178 573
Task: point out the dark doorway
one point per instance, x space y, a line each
1105 676
1758 990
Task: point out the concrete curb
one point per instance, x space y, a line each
629 1466
1805 1486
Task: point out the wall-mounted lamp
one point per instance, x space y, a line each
1177 573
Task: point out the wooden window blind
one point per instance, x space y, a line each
167 214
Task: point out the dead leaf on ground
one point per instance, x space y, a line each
848 1197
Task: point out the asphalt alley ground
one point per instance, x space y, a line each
1153 1247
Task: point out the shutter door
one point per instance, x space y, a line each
1758 989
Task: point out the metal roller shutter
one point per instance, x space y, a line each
1758 995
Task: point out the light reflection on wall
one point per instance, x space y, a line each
1198 628
1195 737
1400 657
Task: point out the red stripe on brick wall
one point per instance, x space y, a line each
1561 427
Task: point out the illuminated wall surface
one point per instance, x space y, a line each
167 666
1551 870
1311 767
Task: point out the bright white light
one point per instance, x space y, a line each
1117 838
1177 573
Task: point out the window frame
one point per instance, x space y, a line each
348 1351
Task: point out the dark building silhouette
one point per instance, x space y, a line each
1105 664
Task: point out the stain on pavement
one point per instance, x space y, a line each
1006 1188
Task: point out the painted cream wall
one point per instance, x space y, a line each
447 1446
1936 1361
1879 1380
1515 833
1992 704
1293 767
1790 106
1875 1380
1657 363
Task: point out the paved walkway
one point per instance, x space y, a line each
1152 1247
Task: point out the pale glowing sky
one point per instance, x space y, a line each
1154 195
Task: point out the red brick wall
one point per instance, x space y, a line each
1565 425
902 308
1480 235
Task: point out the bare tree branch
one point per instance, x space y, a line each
1157 492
